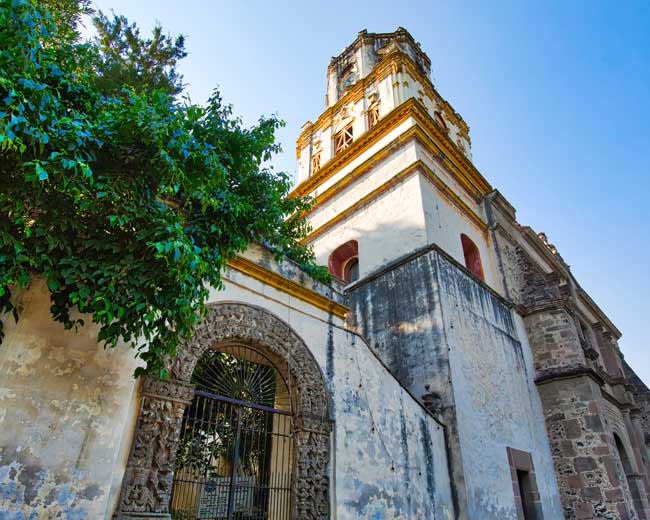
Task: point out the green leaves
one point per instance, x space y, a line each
40 171
126 200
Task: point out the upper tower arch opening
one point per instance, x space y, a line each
375 77
363 54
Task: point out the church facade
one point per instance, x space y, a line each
453 369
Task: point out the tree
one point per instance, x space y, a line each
127 59
127 201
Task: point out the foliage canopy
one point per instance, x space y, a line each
127 200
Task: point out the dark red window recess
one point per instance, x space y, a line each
472 257
344 261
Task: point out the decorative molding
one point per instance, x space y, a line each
431 135
417 166
146 487
287 286
147 483
567 372
395 61
168 390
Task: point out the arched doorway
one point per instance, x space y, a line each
234 457
250 337
629 474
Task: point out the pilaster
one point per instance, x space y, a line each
146 488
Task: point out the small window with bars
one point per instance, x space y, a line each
315 162
343 139
373 115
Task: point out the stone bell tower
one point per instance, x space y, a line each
389 160
360 58
399 215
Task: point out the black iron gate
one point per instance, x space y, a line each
234 457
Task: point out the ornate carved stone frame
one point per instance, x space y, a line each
146 488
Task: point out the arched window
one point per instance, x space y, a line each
351 270
344 261
472 257
628 470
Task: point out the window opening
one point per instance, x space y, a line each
315 162
440 120
627 470
373 115
472 257
351 271
525 492
343 139
524 485
344 261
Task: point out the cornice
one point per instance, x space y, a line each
430 134
562 303
568 372
289 287
417 166
536 243
415 133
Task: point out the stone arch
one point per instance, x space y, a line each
146 489
629 476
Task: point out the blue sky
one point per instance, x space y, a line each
555 93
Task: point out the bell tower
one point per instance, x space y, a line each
388 162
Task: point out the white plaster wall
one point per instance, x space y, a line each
497 404
391 226
382 464
362 186
444 225
426 156
68 410
66 406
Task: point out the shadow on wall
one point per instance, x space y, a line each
456 346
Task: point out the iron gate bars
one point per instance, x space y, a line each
233 461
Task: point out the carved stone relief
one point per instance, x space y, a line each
146 489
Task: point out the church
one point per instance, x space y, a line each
453 369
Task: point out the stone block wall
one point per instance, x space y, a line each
554 339
593 424
590 474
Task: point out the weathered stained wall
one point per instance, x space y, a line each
69 408
497 404
459 347
66 406
389 460
393 222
